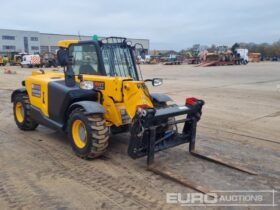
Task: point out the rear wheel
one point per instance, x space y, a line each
22 113
88 134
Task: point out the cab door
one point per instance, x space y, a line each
86 58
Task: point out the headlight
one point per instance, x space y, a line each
86 85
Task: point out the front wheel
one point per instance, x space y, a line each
88 134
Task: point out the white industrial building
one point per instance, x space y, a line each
34 42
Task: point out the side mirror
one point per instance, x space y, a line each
157 82
62 57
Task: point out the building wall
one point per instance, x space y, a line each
35 42
20 41
49 41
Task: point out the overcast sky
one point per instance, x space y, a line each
169 24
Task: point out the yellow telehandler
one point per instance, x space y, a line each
100 92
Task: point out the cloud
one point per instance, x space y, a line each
168 24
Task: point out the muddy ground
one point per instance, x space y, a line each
241 122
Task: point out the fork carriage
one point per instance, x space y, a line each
152 138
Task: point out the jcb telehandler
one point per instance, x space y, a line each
102 92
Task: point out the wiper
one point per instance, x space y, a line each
127 64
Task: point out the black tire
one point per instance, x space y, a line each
26 123
97 134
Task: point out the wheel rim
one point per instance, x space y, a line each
19 112
79 133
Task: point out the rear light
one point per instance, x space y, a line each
191 101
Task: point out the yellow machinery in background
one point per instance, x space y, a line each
16 58
1 61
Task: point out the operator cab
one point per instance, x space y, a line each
85 59
109 57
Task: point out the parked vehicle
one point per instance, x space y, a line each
256 57
242 56
193 57
16 58
2 61
31 61
48 59
275 58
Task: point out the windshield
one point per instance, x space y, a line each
85 60
118 61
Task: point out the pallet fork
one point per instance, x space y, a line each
151 142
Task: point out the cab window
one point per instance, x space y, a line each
118 61
85 59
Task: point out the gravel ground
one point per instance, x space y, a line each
241 123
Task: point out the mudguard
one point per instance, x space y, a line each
18 91
160 98
90 107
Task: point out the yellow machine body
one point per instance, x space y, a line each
121 95
66 43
